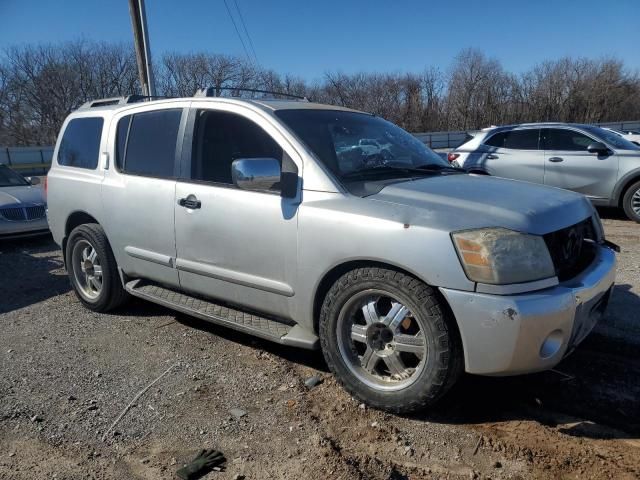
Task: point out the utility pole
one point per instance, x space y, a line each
141 42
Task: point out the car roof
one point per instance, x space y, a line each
533 125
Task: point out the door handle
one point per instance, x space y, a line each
556 159
492 156
191 203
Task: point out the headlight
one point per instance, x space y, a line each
499 256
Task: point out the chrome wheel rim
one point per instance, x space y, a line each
381 341
87 270
635 202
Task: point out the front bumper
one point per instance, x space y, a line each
25 228
514 334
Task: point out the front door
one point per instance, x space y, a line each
569 165
234 245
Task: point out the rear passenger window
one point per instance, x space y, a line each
80 143
516 139
150 148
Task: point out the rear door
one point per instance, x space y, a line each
569 165
238 246
139 192
514 154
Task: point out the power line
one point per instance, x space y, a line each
246 32
244 47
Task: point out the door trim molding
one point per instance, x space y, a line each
236 277
149 256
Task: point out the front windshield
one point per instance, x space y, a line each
349 142
613 139
9 178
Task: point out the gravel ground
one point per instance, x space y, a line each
67 373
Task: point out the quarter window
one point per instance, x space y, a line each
80 143
219 138
515 139
568 140
150 145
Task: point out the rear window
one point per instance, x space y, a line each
515 139
151 143
80 143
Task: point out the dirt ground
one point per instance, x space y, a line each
67 373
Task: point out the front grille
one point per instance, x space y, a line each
572 249
35 212
14 214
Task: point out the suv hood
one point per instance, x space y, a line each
21 194
460 202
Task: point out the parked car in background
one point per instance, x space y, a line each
22 205
270 218
590 160
632 135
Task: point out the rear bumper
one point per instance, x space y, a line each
514 334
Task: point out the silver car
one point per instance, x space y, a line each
590 160
276 218
22 205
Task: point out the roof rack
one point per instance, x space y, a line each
212 92
104 102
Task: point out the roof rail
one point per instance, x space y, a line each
104 102
212 92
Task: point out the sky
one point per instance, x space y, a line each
310 38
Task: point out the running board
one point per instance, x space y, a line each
262 327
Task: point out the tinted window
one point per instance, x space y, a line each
9 178
515 139
80 143
561 139
219 138
151 146
121 140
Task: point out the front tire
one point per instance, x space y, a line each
631 202
387 340
92 269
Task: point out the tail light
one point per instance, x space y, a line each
45 186
452 157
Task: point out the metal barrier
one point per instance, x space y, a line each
37 160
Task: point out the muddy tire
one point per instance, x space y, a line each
388 341
92 269
631 202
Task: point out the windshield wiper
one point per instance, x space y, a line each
382 169
438 168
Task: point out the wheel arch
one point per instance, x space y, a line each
624 185
77 218
330 277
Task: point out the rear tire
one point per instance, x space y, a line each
92 269
631 202
400 365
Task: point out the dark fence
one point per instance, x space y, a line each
37 160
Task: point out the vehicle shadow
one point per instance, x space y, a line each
612 213
31 270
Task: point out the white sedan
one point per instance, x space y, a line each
23 206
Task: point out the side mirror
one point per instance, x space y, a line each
261 174
598 147
33 180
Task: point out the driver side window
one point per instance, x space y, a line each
219 138
567 140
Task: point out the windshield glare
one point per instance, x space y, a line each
9 178
613 139
349 142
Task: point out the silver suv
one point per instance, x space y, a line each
590 160
281 219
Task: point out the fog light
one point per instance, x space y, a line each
551 344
